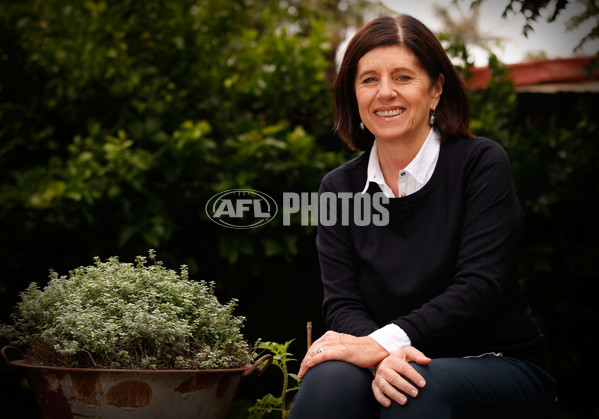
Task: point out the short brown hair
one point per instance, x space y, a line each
453 110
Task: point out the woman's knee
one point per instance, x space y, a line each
334 389
472 388
432 401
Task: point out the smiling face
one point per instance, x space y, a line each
395 95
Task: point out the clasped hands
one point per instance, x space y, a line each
394 378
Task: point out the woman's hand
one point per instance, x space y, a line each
395 377
362 352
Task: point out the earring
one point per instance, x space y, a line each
432 120
362 125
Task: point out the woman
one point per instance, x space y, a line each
430 302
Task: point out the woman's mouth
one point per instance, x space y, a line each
390 112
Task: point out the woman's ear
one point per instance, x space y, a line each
437 90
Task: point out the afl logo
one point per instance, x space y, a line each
241 208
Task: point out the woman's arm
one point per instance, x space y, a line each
345 312
485 275
343 306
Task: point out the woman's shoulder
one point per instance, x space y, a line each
476 145
349 175
478 159
476 150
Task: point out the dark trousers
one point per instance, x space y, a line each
458 388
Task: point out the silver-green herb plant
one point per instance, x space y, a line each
123 315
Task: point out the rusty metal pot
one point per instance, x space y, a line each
64 393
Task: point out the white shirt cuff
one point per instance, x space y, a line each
391 337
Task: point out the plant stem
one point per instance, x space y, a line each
284 393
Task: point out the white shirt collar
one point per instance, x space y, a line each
421 168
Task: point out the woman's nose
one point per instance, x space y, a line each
386 89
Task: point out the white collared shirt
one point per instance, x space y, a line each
411 179
416 174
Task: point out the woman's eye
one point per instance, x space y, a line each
404 78
369 80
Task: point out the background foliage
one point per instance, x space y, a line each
120 119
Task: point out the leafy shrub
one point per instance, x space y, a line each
123 315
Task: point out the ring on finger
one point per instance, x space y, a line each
319 351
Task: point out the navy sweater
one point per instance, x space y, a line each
444 269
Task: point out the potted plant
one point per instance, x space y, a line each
124 340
